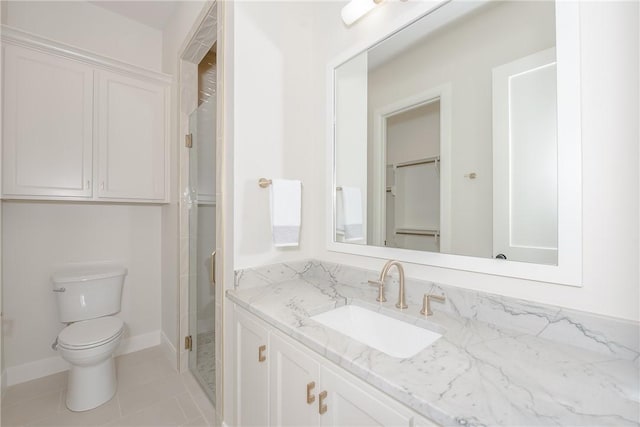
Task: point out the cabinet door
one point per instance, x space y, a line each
131 138
351 403
252 372
48 125
293 372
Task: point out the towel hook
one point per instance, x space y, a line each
264 182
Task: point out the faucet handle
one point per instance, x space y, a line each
380 285
426 303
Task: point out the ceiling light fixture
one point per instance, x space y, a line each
356 9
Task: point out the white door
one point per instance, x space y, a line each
294 385
48 125
131 138
252 372
525 170
350 406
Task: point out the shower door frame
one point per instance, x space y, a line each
205 31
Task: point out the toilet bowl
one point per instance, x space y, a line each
88 346
87 298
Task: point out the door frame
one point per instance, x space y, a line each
207 29
379 153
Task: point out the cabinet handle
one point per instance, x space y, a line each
322 407
212 269
311 397
261 355
102 185
88 184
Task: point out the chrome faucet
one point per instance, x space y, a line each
401 304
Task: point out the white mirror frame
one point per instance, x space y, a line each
569 268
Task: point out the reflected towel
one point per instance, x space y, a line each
286 197
350 222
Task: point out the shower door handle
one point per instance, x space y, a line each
212 269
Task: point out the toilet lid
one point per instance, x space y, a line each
90 332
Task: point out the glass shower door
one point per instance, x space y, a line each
202 245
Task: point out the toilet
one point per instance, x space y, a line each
87 298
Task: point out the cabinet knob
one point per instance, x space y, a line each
310 396
322 407
261 356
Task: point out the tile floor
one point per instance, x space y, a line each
150 393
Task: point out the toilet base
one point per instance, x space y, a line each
90 386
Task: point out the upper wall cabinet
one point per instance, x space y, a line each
81 127
131 135
48 122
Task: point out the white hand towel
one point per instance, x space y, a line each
352 211
286 197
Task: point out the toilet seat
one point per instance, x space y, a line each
92 333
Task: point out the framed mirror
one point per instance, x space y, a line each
455 142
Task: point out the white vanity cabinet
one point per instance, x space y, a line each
294 384
350 402
302 388
78 127
252 371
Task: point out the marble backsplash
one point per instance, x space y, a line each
616 337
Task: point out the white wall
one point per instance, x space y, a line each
90 27
610 50
39 238
272 124
414 134
176 30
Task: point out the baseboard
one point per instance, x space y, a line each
37 369
169 350
52 365
138 342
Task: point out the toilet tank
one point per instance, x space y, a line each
84 293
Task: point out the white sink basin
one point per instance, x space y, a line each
391 336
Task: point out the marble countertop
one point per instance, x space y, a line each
476 374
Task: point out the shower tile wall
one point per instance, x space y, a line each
207 77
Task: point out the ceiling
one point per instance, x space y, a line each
151 13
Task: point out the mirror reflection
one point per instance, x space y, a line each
445 135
